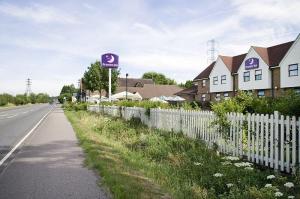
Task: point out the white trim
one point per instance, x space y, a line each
290 49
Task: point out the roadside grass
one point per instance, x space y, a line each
137 162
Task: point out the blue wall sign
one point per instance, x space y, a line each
110 60
251 63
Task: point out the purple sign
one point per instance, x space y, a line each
251 63
110 60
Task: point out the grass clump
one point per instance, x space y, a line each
138 162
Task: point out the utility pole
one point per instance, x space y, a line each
28 86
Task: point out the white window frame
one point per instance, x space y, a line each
218 97
262 92
223 81
203 83
203 98
258 75
215 80
292 70
248 72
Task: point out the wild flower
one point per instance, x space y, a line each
289 184
270 177
243 164
218 175
197 163
226 163
291 197
278 194
229 185
268 185
231 158
248 168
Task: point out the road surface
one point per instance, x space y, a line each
50 162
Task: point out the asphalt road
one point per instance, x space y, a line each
16 122
50 164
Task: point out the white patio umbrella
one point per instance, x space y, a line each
131 96
157 99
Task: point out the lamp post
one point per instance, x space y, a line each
126 85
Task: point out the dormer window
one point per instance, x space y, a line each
215 80
223 79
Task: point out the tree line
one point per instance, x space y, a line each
22 99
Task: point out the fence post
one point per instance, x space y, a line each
276 118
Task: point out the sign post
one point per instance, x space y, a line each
110 61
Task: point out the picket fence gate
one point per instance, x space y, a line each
269 140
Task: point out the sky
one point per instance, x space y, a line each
53 41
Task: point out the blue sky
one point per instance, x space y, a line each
53 41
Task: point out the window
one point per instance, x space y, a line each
203 83
247 76
226 96
297 90
258 74
261 93
203 98
215 80
218 97
293 70
223 79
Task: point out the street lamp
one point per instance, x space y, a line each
126 85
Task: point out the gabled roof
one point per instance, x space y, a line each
132 82
274 54
227 61
237 61
188 91
206 72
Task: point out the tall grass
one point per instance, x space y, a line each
170 165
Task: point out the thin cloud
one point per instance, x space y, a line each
37 13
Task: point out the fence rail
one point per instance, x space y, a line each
269 140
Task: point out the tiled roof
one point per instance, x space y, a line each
189 91
206 72
274 54
237 61
150 90
132 82
227 61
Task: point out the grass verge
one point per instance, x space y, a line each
137 162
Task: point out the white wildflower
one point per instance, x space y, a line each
248 168
278 194
243 164
268 185
197 163
231 158
229 185
291 197
217 175
289 184
270 177
226 163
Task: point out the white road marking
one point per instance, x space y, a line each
11 116
23 139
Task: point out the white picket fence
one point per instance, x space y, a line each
269 140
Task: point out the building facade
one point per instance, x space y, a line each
263 71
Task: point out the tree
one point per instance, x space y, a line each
96 78
187 84
66 93
158 78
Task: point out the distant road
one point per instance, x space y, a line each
16 122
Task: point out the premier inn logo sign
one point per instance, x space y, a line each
251 63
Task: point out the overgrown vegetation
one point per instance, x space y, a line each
22 99
138 162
